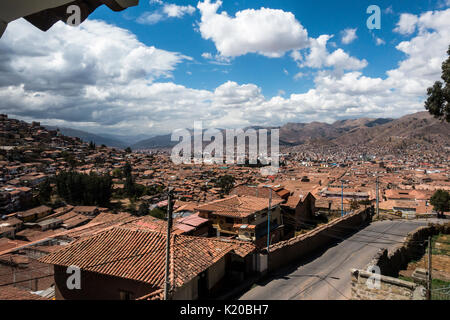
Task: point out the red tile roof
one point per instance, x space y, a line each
13 293
140 255
235 206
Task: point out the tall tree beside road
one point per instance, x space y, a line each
438 102
441 202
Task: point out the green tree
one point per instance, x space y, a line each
441 202
129 185
117 173
45 192
143 209
438 102
131 208
82 189
69 158
127 169
225 183
128 150
158 213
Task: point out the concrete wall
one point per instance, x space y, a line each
286 252
387 288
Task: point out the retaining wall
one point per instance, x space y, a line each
285 252
387 288
391 262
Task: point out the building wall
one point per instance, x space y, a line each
188 292
387 288
96 286
216 273
305 211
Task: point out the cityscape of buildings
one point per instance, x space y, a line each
222 214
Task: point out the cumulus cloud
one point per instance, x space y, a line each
100 78
349 35
69 73
407 24
268 32
319 56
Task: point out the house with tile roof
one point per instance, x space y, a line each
299 209
244 217
125 263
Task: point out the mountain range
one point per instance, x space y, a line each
417 127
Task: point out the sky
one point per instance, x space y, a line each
162 65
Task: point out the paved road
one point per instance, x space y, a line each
327 275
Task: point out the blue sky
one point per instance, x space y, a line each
319 17
162 65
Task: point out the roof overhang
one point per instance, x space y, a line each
43 14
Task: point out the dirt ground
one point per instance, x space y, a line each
440 260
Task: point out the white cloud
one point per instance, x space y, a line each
299 75
319 56
150 18
168 10
268 32
389 10
207 55
175 11
216 59
349 35
379 41
407 24
99 77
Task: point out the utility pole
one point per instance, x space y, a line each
342 199
429 270
378 200
268 221
169 227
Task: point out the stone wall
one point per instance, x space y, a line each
388 288
390 263
286 252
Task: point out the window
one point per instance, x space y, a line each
125 295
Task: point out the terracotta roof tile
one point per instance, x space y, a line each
140 255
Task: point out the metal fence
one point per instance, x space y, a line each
440 294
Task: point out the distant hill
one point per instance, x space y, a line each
291 134
419 127
87 137
158 142
319 132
